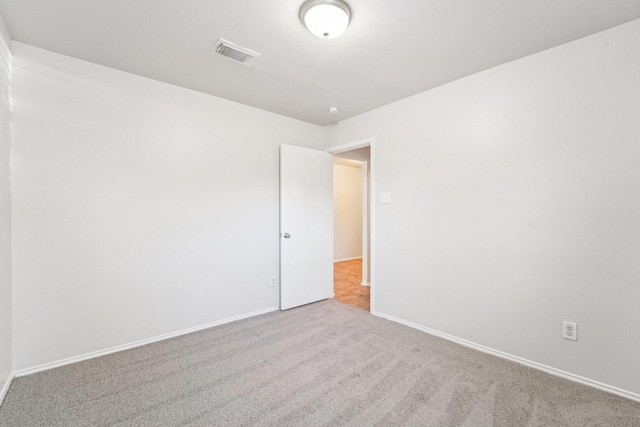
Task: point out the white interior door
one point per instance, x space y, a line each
306 226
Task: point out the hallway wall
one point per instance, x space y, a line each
347 212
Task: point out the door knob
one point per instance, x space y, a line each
287 235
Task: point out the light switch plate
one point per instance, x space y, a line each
385 197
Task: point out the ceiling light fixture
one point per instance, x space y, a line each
326 19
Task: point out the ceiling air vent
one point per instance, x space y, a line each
235 52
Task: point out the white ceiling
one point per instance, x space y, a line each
347 162
392 49
360 155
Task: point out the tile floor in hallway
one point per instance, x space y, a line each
347 276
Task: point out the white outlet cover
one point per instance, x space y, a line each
570 330
385 197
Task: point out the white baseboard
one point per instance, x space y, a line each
548 369
346 259
94 354
365 284
5 387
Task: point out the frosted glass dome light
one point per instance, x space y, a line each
326 19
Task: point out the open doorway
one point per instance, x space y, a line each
352 231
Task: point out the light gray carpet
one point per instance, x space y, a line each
325 364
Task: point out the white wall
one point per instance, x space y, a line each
515 205
347 212
139 208
5 208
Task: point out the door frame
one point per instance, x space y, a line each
366 229
368 142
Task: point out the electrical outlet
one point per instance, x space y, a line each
569 330
385 197
273 281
